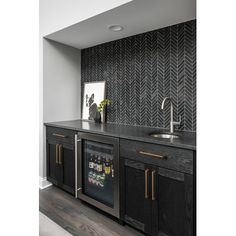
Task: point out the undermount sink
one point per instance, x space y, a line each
158 135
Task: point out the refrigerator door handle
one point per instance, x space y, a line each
76 166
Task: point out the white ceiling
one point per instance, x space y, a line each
56 15
136 17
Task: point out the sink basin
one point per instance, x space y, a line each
156 135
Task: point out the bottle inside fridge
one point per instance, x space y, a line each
98 172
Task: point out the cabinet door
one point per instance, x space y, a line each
68 164
54 169
172 203
135 185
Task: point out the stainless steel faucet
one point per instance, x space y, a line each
172 122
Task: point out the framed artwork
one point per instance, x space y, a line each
94 93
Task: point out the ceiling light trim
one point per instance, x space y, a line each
116 28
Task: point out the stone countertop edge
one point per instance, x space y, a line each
188 142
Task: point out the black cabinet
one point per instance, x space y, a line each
68 163
61 158
172 203
54 169
136 206
157 200
152 187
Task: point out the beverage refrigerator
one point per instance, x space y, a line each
97 171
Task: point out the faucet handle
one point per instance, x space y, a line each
178 122
180 119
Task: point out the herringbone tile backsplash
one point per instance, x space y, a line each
143 69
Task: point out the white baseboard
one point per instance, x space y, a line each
43 183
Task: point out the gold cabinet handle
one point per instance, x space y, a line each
153 155
59 135
60 150
146 183
57 153
153 185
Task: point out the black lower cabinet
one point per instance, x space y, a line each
172 203
157 201
136 207
61 165
68 165
54 170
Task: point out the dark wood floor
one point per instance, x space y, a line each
78 218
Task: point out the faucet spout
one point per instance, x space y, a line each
163 102
172 122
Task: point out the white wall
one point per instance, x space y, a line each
61 87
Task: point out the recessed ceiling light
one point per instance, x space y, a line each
116 28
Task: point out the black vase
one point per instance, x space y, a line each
97 117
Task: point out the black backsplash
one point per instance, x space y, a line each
143 69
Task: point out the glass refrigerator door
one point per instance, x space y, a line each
98 172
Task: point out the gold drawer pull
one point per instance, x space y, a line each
57 153
59 135
60 150
146 183
153 155
153 185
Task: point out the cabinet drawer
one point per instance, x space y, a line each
155 154
62 135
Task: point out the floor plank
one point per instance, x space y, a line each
78 218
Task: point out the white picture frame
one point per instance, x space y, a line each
94 93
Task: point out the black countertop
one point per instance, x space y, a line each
187 140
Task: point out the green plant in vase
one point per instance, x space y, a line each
101 108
